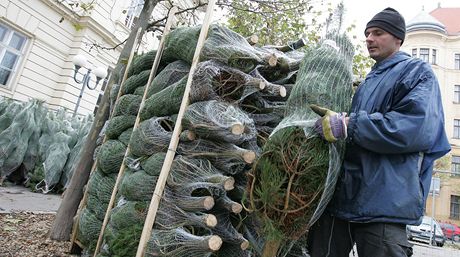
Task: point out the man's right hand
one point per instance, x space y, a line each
332 125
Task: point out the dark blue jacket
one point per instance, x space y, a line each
395 133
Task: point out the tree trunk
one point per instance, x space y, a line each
63 221
271 248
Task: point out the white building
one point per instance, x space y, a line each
435 38
39 38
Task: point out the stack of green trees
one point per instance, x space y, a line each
234 105
38 146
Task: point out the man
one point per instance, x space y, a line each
394 133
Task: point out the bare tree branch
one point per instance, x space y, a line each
98 46
268 6
160 22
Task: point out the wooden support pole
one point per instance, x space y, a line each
93 168
121 172
161 182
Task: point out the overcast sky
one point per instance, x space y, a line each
360 12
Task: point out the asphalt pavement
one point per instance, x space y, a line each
19 199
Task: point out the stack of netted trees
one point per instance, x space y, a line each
38 146
237 98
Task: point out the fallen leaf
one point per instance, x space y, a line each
8 228
14 221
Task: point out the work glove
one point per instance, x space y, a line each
331 126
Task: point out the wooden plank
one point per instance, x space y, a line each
125 75
161 182
121 172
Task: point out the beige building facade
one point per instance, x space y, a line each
435 38
39 38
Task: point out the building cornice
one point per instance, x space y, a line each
426 32
63 10
86 21
108 36
432 34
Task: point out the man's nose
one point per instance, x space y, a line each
369 37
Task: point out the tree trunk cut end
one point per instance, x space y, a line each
210 220
252 40
208 202
272 61
214 243
283 91
229 184
244 245
237 208
249 157
237 129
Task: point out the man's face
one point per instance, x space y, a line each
381 44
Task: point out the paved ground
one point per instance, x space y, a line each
19 198
424 250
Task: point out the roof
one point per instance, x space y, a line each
450 17
424 21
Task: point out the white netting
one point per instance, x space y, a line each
138 186
296 154
152 136
213 80
56 158
110 156
217 120
172 73
227 157
186 171
179 242
326 79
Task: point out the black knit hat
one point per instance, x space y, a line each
391 21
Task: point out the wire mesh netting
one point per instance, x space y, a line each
110 156
152 136
171 74
118 125
296 163
38 147
247 140
217 120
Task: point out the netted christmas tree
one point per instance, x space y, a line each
295 177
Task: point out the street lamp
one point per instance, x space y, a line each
80 61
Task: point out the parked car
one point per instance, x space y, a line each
451 231
423 232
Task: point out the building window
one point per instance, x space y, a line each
12 44
433 56
457 61
424 54
456 128
455 165
455 207
457 94
134 10
414 52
